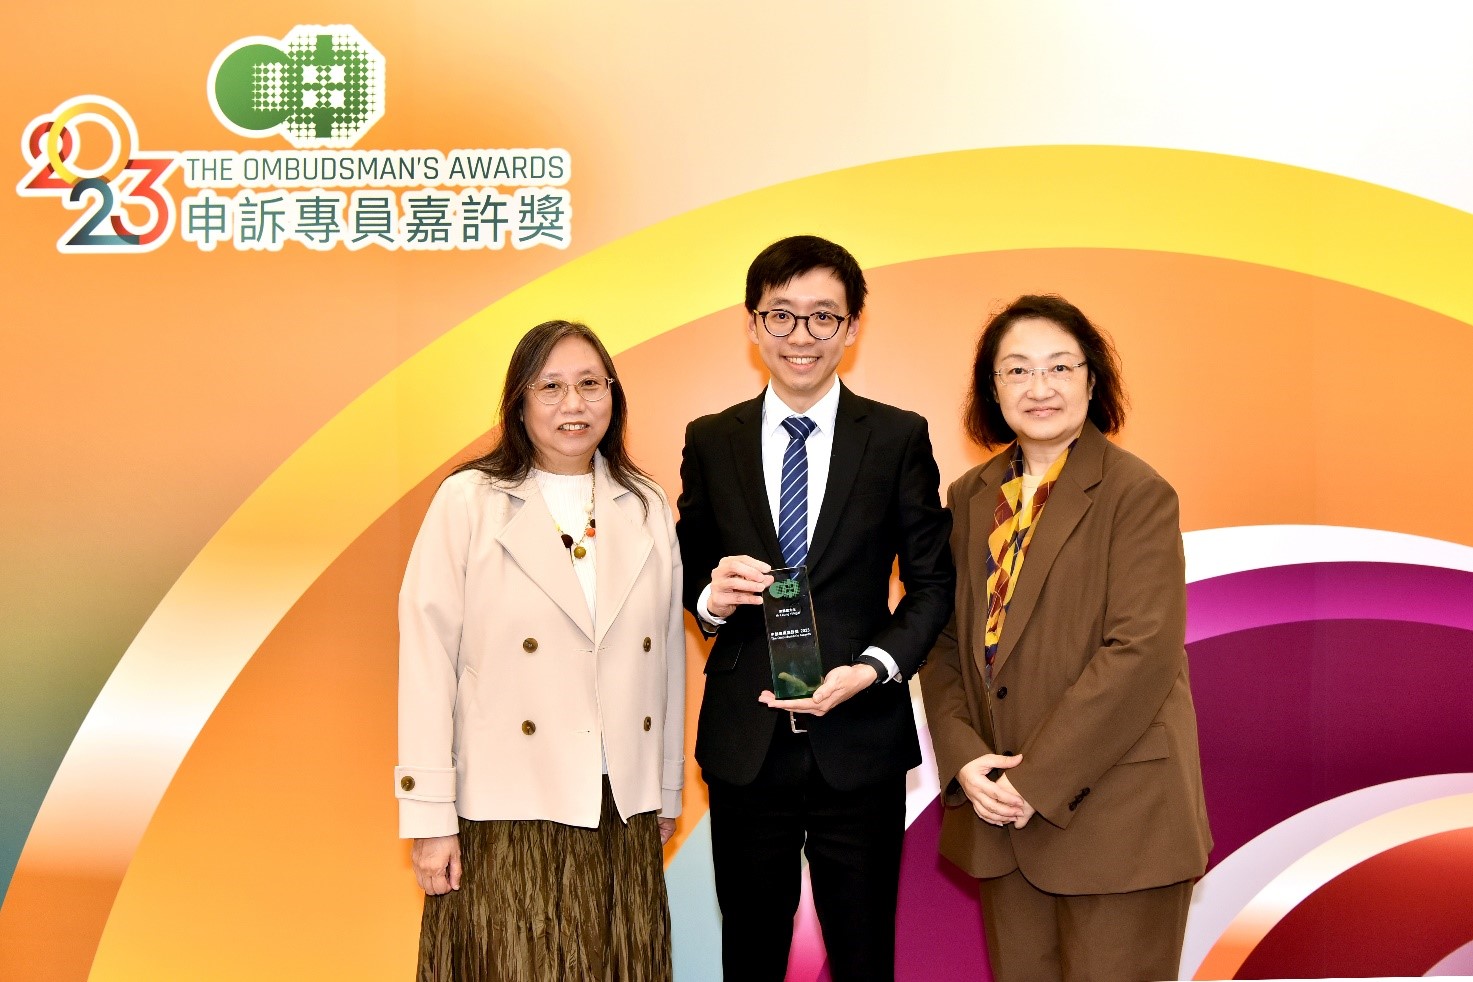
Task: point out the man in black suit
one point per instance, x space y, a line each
808 472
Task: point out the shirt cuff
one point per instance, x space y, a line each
892 670
703 609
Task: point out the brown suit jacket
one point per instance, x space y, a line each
1089 684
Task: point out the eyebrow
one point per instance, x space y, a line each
579 374
1056 354
824 304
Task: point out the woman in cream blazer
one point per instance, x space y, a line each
542 689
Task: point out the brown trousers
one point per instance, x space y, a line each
1033 936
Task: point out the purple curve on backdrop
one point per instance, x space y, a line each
1329 592
1292 715
1310 682
1318 680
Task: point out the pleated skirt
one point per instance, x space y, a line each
545 902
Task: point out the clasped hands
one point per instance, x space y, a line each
738 580
995 802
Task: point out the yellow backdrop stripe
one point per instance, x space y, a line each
351 471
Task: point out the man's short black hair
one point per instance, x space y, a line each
787 259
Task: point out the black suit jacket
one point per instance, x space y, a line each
881 503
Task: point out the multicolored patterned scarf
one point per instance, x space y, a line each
1012 532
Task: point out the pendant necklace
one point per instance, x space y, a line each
577 550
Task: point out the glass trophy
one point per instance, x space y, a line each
792 635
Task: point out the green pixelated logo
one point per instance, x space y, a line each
784 589
317 87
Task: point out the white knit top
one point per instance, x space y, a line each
569 498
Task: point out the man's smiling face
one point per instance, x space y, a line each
802 367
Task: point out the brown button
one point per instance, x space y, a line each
529 645
406 782
647 724
646 644
529 727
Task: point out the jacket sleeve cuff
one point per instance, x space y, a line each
425 783
426 802
427 819
669 802
953 794
672 774
1050 808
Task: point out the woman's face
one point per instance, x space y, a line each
565 435
1047 410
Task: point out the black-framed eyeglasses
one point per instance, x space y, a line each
821 324
551 391
1058 374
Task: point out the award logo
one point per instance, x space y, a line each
316 87
320 89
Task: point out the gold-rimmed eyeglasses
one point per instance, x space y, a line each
1058 374
551 391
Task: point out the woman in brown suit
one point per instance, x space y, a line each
1058 699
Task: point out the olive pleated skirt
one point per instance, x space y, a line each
545 902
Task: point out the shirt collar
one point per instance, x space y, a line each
822 413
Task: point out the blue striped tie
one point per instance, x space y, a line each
792 517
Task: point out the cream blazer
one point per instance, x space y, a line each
506 682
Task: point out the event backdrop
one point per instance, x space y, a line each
264 264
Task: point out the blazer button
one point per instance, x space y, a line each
529 727
1002 693
1073 804
406 782
647 724
647 644
529 645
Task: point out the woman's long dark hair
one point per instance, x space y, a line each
513 455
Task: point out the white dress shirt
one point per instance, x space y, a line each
820 448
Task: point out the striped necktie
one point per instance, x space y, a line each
792 518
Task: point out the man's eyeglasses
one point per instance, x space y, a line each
550 391
821 324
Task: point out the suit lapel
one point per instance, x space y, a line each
1067 504
623 546
980 526
850 437
530 539
746 450
982 506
